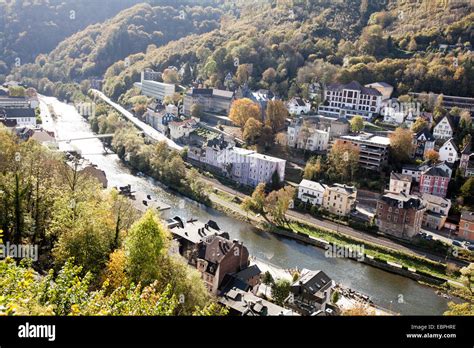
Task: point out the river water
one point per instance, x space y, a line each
388 290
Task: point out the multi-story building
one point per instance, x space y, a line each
444 129
157 90
304 134
340 199
422 142
216 256
243 166
434 181
349 100
19 116
311 192
210 100
373 149
449 152
415 171
466 226
159 117
384 88
466 161
181 129
437 210
14 102
400 215
400 183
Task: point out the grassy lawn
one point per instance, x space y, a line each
382 253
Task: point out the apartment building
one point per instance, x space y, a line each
349 100
400 215
373 149
400 183
157 90
311 192
435 181
210 100
339 199
304 134
415 171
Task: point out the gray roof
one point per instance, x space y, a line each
194 230
409 201
248 273
18 112
401 177
435 171
248 304
467 215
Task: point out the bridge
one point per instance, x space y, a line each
99 136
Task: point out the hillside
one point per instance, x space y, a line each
28 28
279 45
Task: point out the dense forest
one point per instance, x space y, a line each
279 45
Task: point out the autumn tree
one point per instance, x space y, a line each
419 125
432 155
276 115
243 109
314 169
170 76
357 124
343 161
252 131
278 202
401 144
257 202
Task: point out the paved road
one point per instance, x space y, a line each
147 129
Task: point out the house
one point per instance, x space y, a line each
216 256
400 183
444 129
340 199
247 279
334 126
466 161
242 303
422 142
45 138
311 192
449 152
373 149
208 153
384 88
314 90
210 100
310 293
400 215
298 106
349 100
415 171
304 134
437 210
435 181
466 226
180 129
260 97
22 116
159 117
189 233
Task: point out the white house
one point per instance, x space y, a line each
400 183
437 209
20 116
311 192
298 106
444 129
415 171
307 136
449 152
179 129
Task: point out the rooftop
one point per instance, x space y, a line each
312 185
400 177
368 138
408 201
354 85
467 215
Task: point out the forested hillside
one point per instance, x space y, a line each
281 45
28 28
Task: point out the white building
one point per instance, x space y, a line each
400 183
179 129
298 106
157 90
437 210
449 152
306 136
444 129
393 116
311 192
349 100
19 116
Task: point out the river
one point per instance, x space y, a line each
388 290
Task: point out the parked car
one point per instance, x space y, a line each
457 243
471 247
